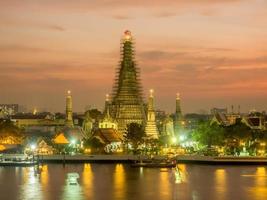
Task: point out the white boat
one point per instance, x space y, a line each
72 178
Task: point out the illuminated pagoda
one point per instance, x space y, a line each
69 119
151 129
127 103
178 117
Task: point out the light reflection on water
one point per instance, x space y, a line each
31 186
220 182
87 177
120 181
72 192
259 190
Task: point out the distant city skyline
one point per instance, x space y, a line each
214 53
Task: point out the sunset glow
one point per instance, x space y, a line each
214 52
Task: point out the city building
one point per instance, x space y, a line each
222 117
40 120
254 120
127 104
151 129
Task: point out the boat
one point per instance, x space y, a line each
155 164
17 160
72 178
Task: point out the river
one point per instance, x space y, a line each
121 182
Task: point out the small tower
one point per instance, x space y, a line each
151 127
107 104
69 119
88 124
168 127
178 105
178 118
108 121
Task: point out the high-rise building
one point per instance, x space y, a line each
127 103
151 127
69 119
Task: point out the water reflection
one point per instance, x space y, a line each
72 191
260 189
141 170
220 182
44 176
119 182
88 177
165 184
31 187
180 174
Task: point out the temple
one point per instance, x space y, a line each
108 121
178 117
151 127
69 119
127 104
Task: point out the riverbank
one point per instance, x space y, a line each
94 158
222 160
193 159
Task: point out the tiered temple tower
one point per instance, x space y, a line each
127 103
178 117
151 127
69 120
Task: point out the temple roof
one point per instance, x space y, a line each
108 135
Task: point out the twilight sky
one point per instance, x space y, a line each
214 52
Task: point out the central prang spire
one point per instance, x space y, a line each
127 103
127 87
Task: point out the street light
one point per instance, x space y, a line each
174 140
263 144
73 142
33 147
182 138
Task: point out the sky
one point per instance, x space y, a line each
213 52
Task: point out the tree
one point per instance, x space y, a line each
238 131
134 134
208 134
95 114
10 134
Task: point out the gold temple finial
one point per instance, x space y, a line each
127 35
107 97
177 95
151 92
